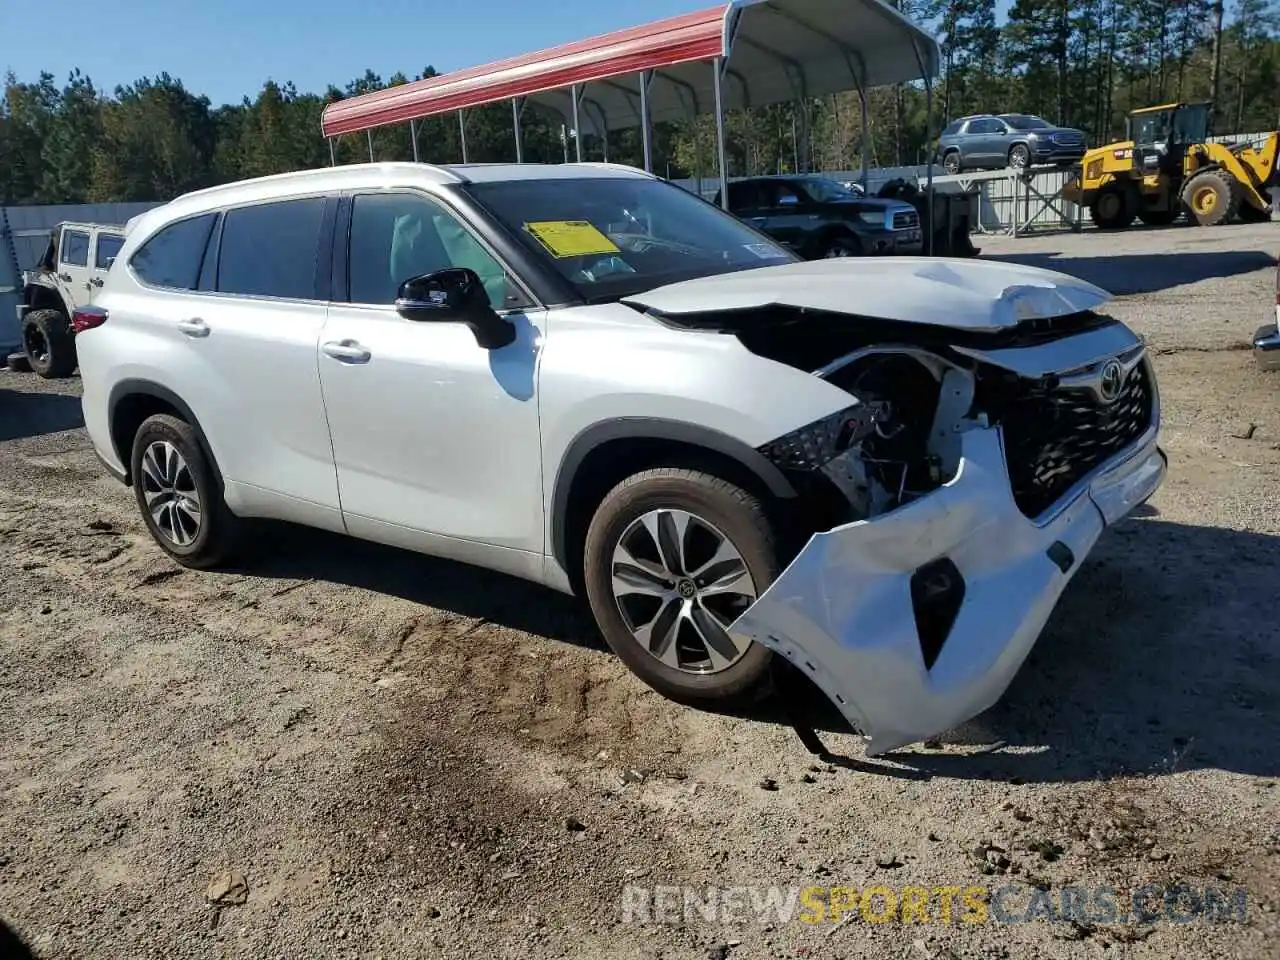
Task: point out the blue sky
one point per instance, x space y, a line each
227 48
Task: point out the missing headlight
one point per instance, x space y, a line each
817 444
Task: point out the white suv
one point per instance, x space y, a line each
884 470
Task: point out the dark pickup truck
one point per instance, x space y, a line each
819 217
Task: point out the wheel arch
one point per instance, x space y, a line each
131 402
39 297
605 453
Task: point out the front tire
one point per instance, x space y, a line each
49 344
1019 156
672 558
1211 198
841 246
179 495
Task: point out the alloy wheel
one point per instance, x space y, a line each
170 492
679 583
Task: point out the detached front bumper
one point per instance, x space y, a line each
1266 346
844 613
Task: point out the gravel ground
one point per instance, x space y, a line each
344 750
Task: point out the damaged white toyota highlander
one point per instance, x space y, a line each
885 471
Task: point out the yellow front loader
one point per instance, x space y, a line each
1167 168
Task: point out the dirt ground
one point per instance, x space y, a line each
407 758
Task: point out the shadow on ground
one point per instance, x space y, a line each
1161 655
25 415
1128 274
290 552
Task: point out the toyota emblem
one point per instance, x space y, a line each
1111 381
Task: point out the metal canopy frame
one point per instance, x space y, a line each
748 53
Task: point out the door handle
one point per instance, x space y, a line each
64 277
195 327
348 351
95 282
757 220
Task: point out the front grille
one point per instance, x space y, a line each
906 220
1067 139
1055 439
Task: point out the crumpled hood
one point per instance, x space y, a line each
966 294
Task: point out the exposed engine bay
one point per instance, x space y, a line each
917 388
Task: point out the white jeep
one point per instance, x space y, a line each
68 277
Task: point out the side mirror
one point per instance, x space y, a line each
455 294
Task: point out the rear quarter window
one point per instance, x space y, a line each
172 257
108 246
270 250
953 128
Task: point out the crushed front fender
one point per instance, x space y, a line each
843 610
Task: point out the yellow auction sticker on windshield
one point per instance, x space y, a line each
571 238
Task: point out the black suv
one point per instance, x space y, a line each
1018 140
819 217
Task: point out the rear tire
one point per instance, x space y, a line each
1114 208
179 494
688 656
49 343
1211 198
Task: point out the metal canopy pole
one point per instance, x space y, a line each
866 132
646 131
462 132
928 139
517 104
413 135
369 135
577 131
721 151
333 157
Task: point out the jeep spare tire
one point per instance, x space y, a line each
49 343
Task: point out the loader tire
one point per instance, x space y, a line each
1114 208
1211 198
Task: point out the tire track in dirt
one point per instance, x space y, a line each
573 700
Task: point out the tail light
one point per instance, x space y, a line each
86 318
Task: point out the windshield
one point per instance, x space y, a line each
1151 128
1021 121
616 237
825 190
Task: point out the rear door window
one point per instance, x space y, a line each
75 248
270 250
172 257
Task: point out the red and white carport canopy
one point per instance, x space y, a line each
769 51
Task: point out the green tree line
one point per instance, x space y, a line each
1085 63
